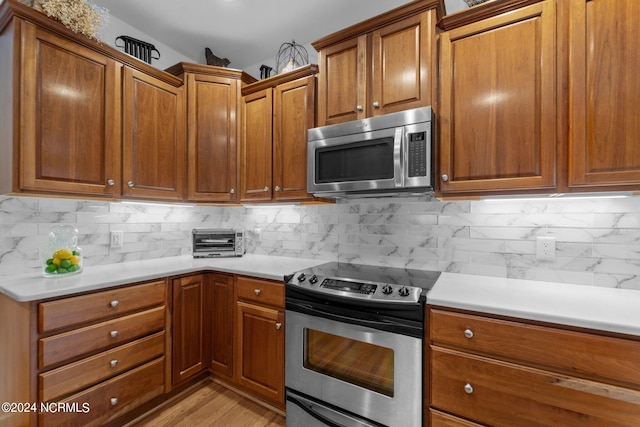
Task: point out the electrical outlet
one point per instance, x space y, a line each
257 232
117 239
545 247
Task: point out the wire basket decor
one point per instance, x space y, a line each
291 56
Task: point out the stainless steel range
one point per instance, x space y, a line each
354 345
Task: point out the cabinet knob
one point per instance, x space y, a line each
266 188
468 388
359 107
278 325
113 334
232 191
114 401
257 291
277 188
376 104
111 182
468 333
445 177
114 303
114 363
130 184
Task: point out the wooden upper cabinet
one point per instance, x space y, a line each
604 89
342 83
213 129
69 116
402 64
276 114
255 158
294 106
380 66
497 111
212 134
154 146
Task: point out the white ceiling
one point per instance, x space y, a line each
245 31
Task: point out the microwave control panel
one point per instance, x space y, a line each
417 154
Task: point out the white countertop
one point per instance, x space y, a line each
613 310
607 309
31 287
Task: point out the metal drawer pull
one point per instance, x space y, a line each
278 325
445 177
113 334
376 104
114 363
468 333
257 291
359 107
468 388
277 188
232 191
111 182
130 184
114 303
266 188
114 401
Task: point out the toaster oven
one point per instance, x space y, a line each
212 243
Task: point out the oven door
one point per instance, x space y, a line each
371 373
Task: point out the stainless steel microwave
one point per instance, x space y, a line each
383 155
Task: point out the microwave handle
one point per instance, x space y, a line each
398 157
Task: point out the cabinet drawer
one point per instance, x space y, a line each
575 352
110 399
261 291
78 342
504 394
440 419
72 311
86 372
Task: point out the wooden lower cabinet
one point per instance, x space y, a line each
511 372
220 320
188 327
260 338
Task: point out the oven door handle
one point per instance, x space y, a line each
385 325
309 410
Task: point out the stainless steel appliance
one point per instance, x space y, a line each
212 243
382 155
354 345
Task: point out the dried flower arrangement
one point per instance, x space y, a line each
80 16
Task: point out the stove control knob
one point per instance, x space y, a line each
302 277
387 289
404 291
313 280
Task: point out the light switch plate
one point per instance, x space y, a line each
117 239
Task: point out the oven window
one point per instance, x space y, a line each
358 161
356 362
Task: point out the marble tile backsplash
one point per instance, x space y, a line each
597 240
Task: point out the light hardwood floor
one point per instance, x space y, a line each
210 404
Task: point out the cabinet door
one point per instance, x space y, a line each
256 147
69 116
188 310
212 104
403 63
604 88
260 350
153 138
342 84
292 116
220 304
497 110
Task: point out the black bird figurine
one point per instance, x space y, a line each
214 60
